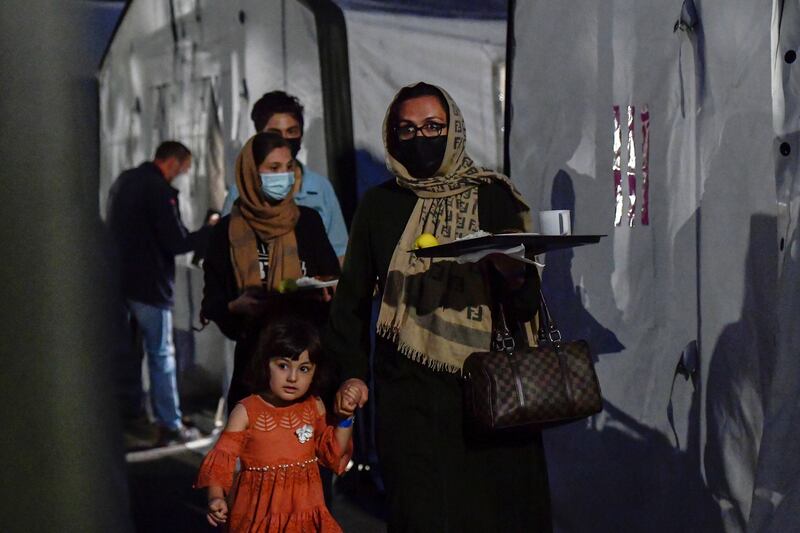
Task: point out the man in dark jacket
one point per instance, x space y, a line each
145 221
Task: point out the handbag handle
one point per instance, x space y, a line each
548 331
503 341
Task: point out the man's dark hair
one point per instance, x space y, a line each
287 337
275 102
169 149
264 143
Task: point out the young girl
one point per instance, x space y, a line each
279 435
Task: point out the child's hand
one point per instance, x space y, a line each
352 394
217 511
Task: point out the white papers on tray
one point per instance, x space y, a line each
515 252
314 283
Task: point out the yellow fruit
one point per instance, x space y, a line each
287 285
426 240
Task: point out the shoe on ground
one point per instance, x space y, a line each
182 435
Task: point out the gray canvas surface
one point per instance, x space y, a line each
703 274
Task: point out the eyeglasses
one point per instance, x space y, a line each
429 129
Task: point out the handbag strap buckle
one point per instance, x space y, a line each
554 335
503 342
548 331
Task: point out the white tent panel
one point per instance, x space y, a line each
776 498
698 281
465 57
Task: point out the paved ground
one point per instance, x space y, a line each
162 498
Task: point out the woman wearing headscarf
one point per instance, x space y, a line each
441 473
255 253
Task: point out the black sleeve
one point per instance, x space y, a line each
498 211
347 337
172 235
315 247
219 286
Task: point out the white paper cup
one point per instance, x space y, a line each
555 222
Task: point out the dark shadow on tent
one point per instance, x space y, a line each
563 295
621 473
777 492
615 470
370 171
738 378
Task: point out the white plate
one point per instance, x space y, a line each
313 283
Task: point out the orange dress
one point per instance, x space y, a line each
278 487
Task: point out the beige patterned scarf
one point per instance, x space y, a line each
436 310
274 224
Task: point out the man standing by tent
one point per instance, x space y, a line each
281 113
146 224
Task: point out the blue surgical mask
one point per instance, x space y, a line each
277 185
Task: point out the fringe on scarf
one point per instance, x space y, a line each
391 333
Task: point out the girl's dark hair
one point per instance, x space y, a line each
287 337
407 93
264 143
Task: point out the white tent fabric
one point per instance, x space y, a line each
776 499
699 282
157 81
465 57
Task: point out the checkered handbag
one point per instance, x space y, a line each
547 384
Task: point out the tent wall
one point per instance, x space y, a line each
388 51
776 498
191 71
698 282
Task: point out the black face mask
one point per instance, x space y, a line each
294 145
422 156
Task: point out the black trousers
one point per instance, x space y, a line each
441 475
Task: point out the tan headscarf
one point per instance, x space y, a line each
436 310
253 216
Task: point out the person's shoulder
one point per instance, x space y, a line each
136 176
148 175
308 214
318 404
495 192
147 171
493 187
310 221
239 417
387 191
317 183
251 403
313 403
314 178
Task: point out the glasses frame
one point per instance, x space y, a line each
420 129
